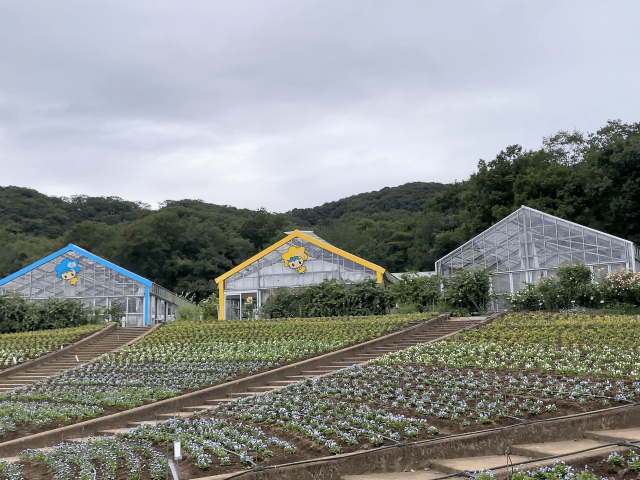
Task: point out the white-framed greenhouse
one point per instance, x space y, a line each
75 273
530 244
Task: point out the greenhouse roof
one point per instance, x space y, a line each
73 248
309 237
530 239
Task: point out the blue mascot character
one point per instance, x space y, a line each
68 270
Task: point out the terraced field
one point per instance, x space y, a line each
16 348
179 358
519 368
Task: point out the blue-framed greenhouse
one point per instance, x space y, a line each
74 273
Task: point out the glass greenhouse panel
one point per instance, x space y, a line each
74 276
297 263
529 244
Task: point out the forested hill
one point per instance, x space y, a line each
590 179
184 244
409 197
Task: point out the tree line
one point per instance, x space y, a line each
592 179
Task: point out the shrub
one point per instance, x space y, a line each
18 314
423 292
367 298
56 313
327 299
574 283
527 298
469 289
282 303
189 312
209 307
621 287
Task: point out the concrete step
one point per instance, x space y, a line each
537 450
417 475
472 464
266 388
243 394
112 432
324 371
608 436
297 378
167 416
76 440
216 401
281 383
197 408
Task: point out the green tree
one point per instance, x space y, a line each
264 228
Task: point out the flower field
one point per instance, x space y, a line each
521 367
178 358
27 345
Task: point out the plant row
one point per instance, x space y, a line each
185 356
27 345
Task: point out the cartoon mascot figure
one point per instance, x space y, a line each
68 270
294 258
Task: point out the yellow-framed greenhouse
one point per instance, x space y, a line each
300 259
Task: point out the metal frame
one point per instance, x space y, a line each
533 242
265 271
97 287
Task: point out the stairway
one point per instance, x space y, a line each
433 334
571 451
111 341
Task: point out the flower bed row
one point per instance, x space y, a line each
461 385
185 356
27 345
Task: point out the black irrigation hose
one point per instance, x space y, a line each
429 440
621 443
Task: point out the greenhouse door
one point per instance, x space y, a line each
249 305
232 307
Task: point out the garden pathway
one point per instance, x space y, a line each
113 340
571 451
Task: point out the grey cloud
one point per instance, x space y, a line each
291 104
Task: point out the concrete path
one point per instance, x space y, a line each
570 449
420 475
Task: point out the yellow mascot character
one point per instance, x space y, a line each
294 258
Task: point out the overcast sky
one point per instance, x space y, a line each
287 104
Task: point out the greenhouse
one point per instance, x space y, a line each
529 244
74 273
298 260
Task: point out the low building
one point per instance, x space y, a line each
74 273
298 260
529 244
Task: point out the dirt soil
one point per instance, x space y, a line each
597 465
